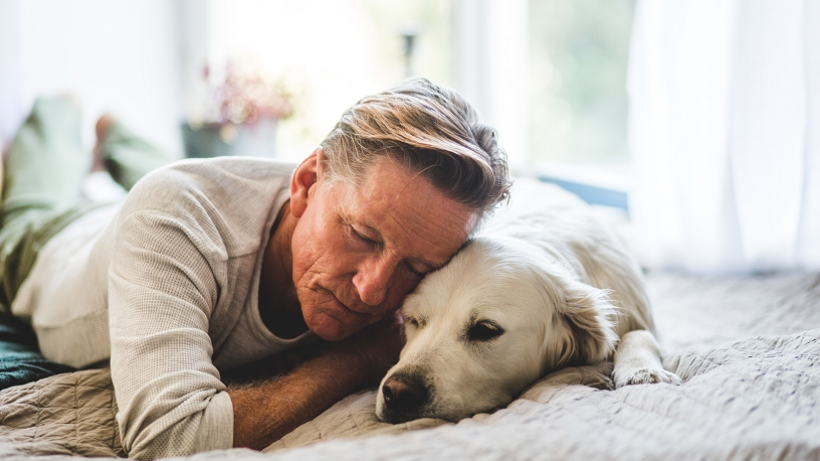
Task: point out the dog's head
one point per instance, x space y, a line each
487 325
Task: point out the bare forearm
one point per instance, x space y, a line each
265 412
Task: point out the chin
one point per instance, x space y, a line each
330 329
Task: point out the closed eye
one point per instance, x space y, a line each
359 241
412 321
419 272
361 237
483 331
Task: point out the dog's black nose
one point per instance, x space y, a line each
404 393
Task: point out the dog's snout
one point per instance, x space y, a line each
404 393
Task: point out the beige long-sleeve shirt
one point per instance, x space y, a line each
166 285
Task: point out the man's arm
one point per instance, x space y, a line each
161 291
266 412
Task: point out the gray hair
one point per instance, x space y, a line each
429 130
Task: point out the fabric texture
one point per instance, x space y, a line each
746 348
44 168
189 238
128 157
164 285
751 391
724 133
20 361
67 414
170 287
752 399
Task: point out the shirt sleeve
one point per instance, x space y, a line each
162 290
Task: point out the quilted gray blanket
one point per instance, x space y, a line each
747 349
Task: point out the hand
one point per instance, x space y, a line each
378 346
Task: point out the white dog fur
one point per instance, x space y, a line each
544 286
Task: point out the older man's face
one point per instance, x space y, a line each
358 251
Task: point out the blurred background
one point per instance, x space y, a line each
526 64
699 117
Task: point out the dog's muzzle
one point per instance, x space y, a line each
405 397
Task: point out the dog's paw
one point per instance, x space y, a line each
644 375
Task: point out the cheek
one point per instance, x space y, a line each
317 246
303 255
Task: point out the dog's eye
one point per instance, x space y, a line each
412 321
484 331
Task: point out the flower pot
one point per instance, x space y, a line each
220 139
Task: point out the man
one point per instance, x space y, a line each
210 265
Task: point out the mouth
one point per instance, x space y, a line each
398 417
342 306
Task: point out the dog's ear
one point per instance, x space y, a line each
582 325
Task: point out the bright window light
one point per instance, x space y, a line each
330 53
577 63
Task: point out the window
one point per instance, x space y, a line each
577 66
330 53
549 74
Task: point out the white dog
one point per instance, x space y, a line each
543 287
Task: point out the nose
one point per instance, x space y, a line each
372 279
404 395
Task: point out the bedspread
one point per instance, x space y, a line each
748 352
754 399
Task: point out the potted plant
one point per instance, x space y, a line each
241 115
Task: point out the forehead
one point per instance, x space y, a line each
483 281
414 219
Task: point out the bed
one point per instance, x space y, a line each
747 349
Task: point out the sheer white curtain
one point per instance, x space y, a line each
725 134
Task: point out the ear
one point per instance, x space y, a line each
304 180
582 324
589 314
